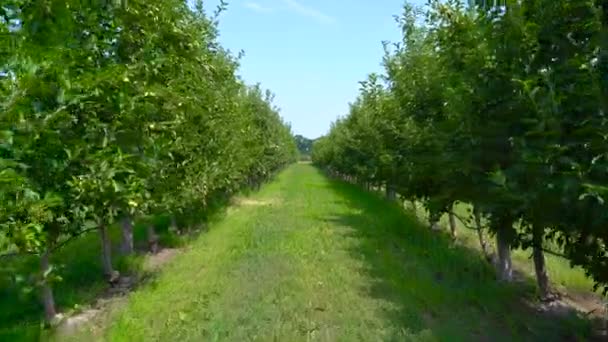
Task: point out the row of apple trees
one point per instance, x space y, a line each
112 111
503 108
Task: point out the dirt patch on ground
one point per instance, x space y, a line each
588 303
114 297
585 305
89 318
247 202
156 261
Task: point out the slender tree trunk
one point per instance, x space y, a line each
48 300
391 194
127 236
452 219
504 266
106 253
152 239
542 277
482 241
603 60
173 225
434 222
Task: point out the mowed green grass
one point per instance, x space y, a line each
312 259
79 265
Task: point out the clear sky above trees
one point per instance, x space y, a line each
311 53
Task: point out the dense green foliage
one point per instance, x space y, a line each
503 108
121 109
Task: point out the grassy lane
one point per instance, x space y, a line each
312 259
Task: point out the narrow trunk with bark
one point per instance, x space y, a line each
504 266
482 241
540 267
173 225
48 300
152 239
434 222
452 219
106 252
391 193
603 63
126 246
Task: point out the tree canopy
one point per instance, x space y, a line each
502 107
122 109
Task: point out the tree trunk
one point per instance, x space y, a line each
542 277
48 301
127 236
391 194
503 264
106 252
152 239
452 219
482 240
603 60
434 222
173 225
415 209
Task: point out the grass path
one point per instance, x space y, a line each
309 259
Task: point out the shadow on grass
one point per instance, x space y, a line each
437 287
79 265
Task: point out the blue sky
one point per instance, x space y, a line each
310 53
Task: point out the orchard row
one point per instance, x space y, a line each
503 108
114 111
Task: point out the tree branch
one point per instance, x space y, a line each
55 248
464 223
15 254
65 242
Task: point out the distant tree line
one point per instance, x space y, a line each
304 146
